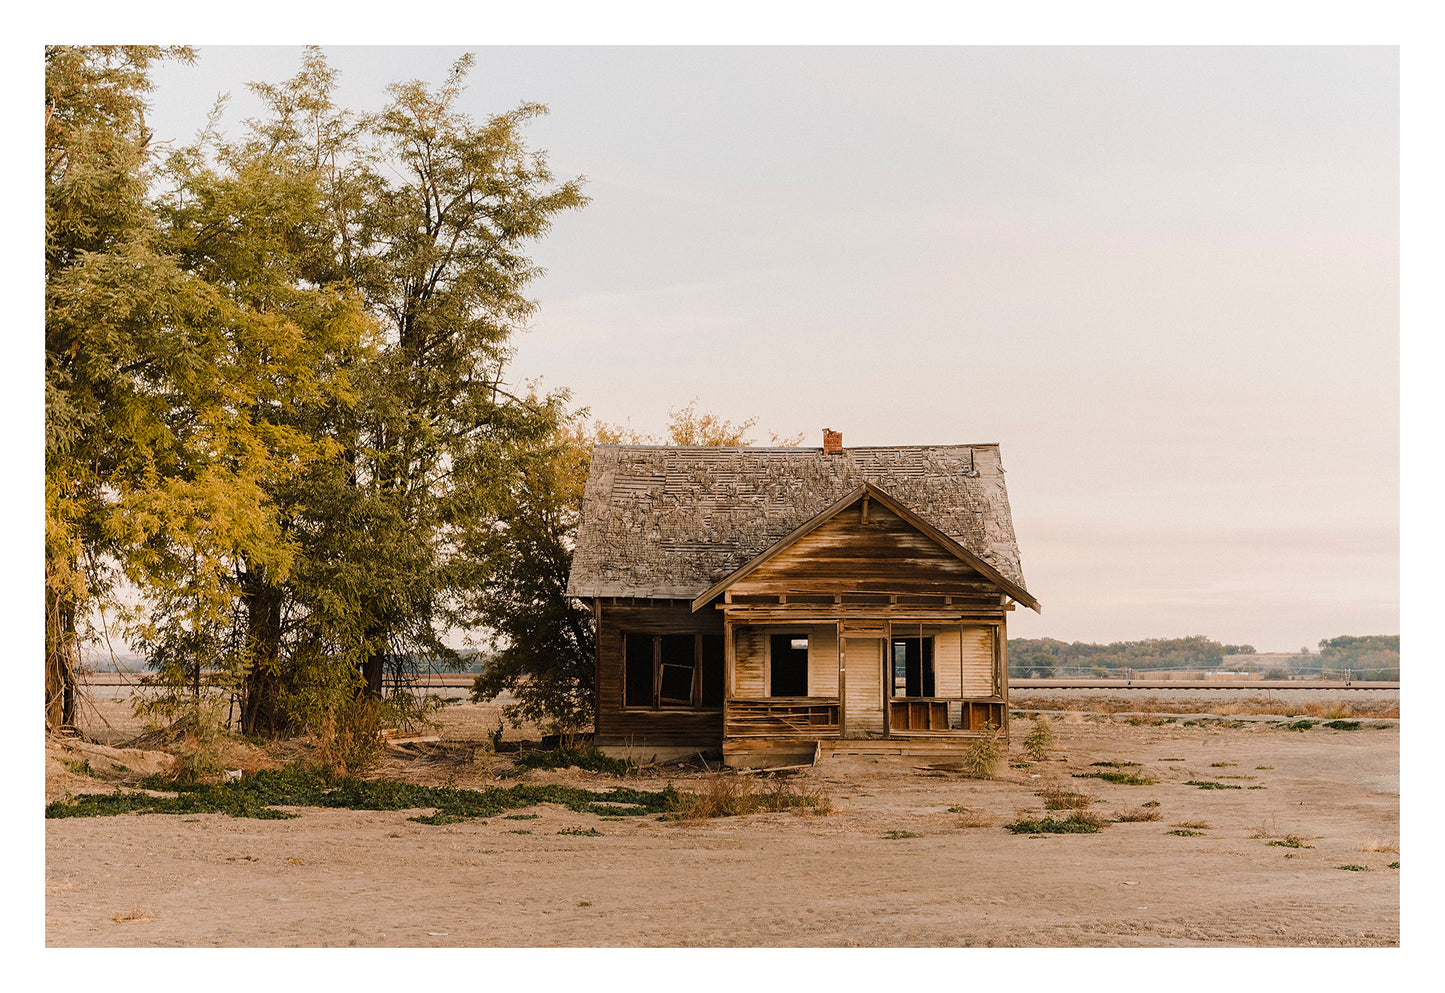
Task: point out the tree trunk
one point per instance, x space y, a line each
62 659
374 665
262 685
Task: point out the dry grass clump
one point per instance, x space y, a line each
1192 825
348 739
1378 845
135 913
1057 798
730 795
968 817
1289 841
1137 814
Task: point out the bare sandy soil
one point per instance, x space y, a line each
890 867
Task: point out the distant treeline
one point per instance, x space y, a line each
1362 657
1370 656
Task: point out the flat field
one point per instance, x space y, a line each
1304 852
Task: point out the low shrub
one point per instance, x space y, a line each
1079 822
1039 741
980 759
1137 814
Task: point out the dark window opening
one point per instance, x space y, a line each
713 660
637 663
789 664
672 671
913 667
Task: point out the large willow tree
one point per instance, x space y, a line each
276 398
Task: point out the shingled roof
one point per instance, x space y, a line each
669 522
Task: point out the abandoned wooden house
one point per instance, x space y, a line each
781 604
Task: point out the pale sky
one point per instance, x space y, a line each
1165 280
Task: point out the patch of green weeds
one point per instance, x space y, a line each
1258 787
1353 868
900 835
1121 778
1079 822
1150 803
296 786
81 768
1266 768
1235 777
520 831
582 832
1343 725
1301 725
1171 760
530 817
1185 832
584 903
1211 785
1393 865
1289 841
1221 765
243 858
1114 765
566 758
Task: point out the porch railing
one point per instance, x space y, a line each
781 717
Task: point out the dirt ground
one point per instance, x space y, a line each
892 866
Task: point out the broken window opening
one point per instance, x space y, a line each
672 671
788 665
913 667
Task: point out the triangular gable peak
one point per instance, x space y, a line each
866 542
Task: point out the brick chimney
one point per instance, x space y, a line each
832 441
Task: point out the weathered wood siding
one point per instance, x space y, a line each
617 725
947 667
750 674
884 555
978 661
